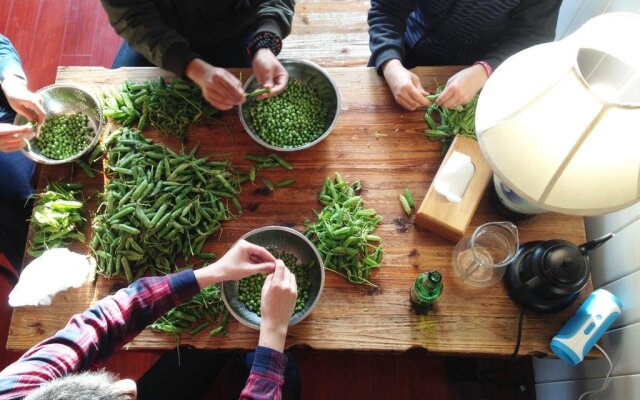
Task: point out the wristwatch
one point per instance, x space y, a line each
264 40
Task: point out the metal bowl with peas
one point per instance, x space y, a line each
242 298
72 126
300 117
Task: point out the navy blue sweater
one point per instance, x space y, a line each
450 32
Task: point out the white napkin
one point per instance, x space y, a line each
54 271
454 177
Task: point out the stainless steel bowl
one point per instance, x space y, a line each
66 99
307 73
285 240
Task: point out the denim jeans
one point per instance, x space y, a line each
16 174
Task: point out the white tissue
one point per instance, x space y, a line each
54 271
454 177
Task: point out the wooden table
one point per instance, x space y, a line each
378 143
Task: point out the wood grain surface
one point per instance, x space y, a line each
380 144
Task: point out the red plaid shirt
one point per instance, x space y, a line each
91 337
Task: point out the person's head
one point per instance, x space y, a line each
100 385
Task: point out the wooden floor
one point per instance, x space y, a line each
50 33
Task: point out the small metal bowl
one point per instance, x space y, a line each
66 99
307 73
285 240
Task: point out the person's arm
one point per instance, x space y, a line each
141 25
93 335
532 22
387 24
278 300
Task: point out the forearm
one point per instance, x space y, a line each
143 27
10 65
93 335
387 24
275 16
532 22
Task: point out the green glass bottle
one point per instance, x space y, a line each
426 289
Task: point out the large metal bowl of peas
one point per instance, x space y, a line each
242 298
72 126
300 117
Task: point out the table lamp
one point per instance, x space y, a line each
559 125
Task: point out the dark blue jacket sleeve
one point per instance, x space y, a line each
9 60
387 23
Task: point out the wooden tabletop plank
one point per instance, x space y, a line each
378 143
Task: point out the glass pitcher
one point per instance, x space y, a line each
481 259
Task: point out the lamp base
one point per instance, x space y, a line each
522 293
503 210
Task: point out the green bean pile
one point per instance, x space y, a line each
56 218
457 121
158 205
171 107
343 231
202 311
63 136
292 119
250 288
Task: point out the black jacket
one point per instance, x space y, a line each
170 33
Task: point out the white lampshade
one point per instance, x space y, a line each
559 123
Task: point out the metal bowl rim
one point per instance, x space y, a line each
257 137
48 161
315 251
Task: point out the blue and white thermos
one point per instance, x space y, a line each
580 334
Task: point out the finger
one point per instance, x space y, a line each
416 96
262 268
407 103
445 96
261 252
279 85
419 93
230 85
38 108
293 284
218 102
278 274
11 130
267 284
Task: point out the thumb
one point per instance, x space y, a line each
418 85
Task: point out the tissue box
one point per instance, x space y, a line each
447 219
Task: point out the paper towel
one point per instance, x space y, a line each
454 176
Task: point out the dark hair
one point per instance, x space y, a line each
97 385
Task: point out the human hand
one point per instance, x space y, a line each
269 72
22 100
219 86
242 260
462 86
11 136
405 85
278 300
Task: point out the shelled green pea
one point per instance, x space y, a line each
292 119
63 136
250 288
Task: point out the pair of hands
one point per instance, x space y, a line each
25 103
409 93
279 292
223 90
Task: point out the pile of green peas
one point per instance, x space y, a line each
292 119
63 136
250 288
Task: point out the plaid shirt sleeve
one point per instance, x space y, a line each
92 336
267 375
